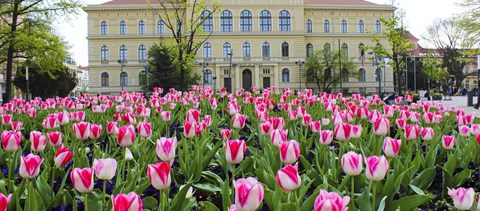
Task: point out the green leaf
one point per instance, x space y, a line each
150 203
381 207
417 190
33 201
93 202
424 179
226 202
450 164
364 200
308 203
208 206
460 178
288 206
410 202
208 187
43 187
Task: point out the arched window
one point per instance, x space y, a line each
207 50
345 50
103 28
309 26
343 26
326 26
227 50
141 27
160 27
362 77
284 20
123 53
378 27
207 19
246 50
104 53
142 53
285 50
361 51
361 27
265 21
285 75
226 21
327 49
123 27
266 50
309 50
104 79
207 76
123 79
246 21
344 75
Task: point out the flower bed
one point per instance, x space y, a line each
241 151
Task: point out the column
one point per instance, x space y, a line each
238 75
275 75
257 77
219 82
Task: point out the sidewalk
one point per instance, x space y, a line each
460 102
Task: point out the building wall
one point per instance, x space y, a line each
219 65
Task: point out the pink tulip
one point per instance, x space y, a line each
225 134
292 115
288 178
232 208
464 131
144 129
388 111
192 115
129 118
4 201
391 146
325 121
16 125
448 142
165 115
235 150
289 151
326 137
331 201
159 175
343 131
125 136
356 131
63 156
411 132
352 163
427 133
238 121
265 128
429 117
32 112
248 193
381 126
55 138
95 131
362 113
30 166
462 198
189 129
278 136
7 119
306 120
11 140
105 168
112 127
277 122
165 148
63 117
376 168
81 130
337 118
82 179
127 202
38 141
401 123
316 126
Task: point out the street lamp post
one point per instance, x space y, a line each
121 62
148 82
300 63
376 58
478 81
230 54
26 78
204 65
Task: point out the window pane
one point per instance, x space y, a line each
160 27
326 26
284 20
265 21
207 50
226 21
207 21
285 52
246 49
309 26
246 21
266 49
123 27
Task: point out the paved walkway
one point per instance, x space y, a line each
460 102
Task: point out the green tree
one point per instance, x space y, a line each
58 81
179 16
323 67
16 13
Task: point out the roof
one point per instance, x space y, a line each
344 2
408 35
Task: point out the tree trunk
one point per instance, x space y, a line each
11 49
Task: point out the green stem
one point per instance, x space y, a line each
352 192
233 180
30 192
53 177
105 191
86 201
160 203
10 173
123 163
374 194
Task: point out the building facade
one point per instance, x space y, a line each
260 43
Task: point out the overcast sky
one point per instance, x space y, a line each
419 15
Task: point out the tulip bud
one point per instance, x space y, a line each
356 131
81 130
95 131
126 136
30 166
11 140
159 175
462 198
352 163
381 126
248 193
343 131
166 148
235 150
376 168
165 115
189 129
16 125
38 141
448 142
289 151
326 137
278 136
4 201
427 133
411 132
288 178
464 131
238 121
144 129
327 201
55 138
112 127
391 146
127 202
7 119
105 168
63 156
316 126
82 179
128 154
225 134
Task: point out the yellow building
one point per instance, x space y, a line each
261 42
